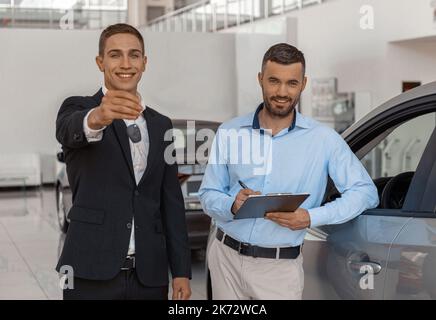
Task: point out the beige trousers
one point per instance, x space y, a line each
238 277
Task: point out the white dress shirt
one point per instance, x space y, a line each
139 152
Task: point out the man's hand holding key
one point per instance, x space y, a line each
115 105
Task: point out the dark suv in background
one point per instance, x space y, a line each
191 170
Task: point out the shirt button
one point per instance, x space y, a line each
129 226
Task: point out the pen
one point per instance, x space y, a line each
242 184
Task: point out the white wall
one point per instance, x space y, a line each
366 60
410 19
372 63
189 75
249 55
213 76
274 25
38 70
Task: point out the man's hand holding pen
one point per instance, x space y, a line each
241 197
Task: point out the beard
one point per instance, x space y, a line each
281 113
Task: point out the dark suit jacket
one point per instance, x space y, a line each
106 198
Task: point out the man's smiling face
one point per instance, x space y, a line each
123 62
281 87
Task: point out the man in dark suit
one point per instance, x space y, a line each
127 219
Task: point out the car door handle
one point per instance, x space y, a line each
358 265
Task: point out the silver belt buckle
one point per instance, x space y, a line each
241 244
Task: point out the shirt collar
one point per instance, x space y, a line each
252 120
105 90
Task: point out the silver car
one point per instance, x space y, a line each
388 252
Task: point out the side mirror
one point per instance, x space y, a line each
61 157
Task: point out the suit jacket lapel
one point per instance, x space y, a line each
121 135
98 96
154 137
120 129
154 141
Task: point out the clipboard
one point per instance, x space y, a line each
256 206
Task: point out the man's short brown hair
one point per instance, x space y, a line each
115 29
285 54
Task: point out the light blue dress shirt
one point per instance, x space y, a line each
298 159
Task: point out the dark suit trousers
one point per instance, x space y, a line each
125 286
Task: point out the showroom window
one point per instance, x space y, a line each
65 14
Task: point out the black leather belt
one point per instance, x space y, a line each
247 249
129 263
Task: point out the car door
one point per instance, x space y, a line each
352 260
412 257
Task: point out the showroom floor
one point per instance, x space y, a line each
30 243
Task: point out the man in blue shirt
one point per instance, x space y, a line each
276 149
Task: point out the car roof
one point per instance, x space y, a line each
418 92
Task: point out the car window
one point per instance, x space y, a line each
421 196
401 150
392 162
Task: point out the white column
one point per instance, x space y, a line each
291 31
137 12
265 7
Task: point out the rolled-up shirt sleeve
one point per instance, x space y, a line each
358 192
91 134
214 197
